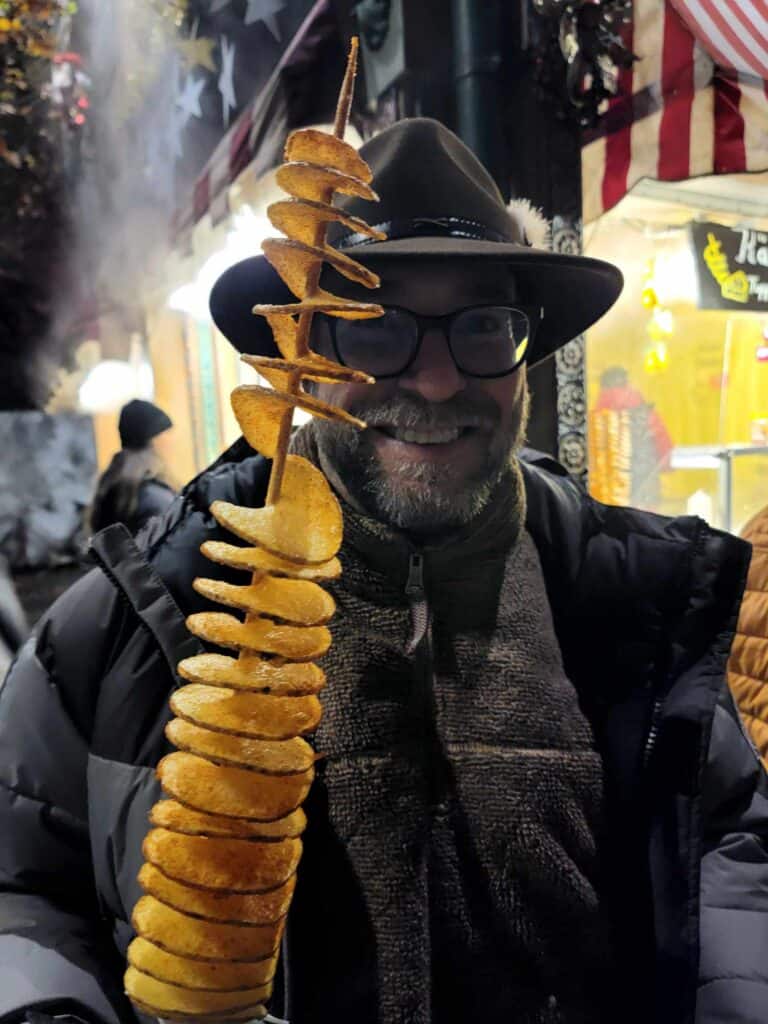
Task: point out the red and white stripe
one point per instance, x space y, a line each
734 32
676 115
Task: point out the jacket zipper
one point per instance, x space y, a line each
417 598
420 646
653 732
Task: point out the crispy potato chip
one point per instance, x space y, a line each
284 757
299 643
304 525
268 420
312 367
277 377
258 560
204 940
319 147
307 181
232 792
292 336
284 381
261 420
197 974
236 865
191 1002
305 220
275 374
298 263
251 673
226 908
323 302
260 716
294 347
296 602
256 1013
176 817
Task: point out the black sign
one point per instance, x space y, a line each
732 267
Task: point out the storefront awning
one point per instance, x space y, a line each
733 32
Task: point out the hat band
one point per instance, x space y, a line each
432 227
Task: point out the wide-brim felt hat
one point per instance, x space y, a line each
437 202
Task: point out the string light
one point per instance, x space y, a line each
660 325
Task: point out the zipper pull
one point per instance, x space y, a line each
414 588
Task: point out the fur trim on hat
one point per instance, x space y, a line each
536 228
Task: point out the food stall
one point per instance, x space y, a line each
675 192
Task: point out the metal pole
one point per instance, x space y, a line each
726 489
477 59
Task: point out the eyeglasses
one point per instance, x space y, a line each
484 341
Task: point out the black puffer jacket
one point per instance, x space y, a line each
644 608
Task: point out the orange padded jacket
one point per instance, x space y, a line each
748 665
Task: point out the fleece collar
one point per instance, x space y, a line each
452 564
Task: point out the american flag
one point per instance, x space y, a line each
696 102
735 32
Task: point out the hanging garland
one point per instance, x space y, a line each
580 53
31 119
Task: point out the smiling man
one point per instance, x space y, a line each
439 434
536 802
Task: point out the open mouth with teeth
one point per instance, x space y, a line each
426 436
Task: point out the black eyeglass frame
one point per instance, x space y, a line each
534 315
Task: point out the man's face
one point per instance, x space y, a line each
437 441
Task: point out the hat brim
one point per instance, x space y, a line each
573 291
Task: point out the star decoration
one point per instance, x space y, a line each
226 81
195 51
266 11
188 100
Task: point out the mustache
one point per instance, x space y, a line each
411 412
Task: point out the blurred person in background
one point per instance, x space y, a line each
135 486
650 441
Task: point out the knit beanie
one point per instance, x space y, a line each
139 422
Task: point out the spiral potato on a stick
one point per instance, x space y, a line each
221 858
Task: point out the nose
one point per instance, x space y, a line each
433 374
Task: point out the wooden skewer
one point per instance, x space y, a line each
343 107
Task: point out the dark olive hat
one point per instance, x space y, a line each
437 201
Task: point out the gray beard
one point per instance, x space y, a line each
417 497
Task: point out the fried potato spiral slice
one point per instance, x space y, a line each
224 847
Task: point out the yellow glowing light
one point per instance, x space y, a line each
664 320
648 297
656 357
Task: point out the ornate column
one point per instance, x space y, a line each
563 66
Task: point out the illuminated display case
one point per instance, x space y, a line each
677 372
